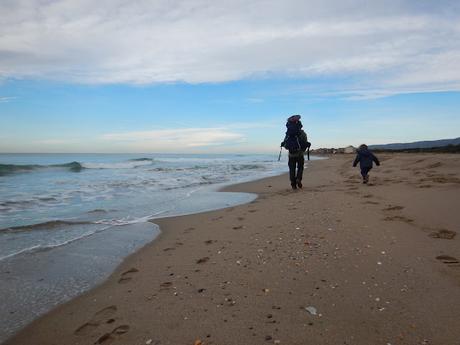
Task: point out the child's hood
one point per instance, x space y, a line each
364 152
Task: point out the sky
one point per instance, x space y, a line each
202 76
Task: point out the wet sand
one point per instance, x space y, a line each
337 262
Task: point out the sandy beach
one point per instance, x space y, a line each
337 262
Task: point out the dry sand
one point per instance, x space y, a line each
377 263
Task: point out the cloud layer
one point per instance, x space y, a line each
5 99
175 139
385 47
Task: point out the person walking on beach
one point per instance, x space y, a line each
296 143
365 158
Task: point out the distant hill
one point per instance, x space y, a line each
417 145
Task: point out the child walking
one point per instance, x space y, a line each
365 159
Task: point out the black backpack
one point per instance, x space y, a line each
294 141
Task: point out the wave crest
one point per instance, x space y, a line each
8 169
141 160
45 225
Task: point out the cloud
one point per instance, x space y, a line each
175 139
375 93
4 99
394 45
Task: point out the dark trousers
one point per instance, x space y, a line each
296 163
365 171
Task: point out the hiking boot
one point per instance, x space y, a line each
294 186
299 184
366 179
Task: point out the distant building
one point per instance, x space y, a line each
349 149
328 151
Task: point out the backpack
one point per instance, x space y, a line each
295 140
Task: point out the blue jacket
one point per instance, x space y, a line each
365 159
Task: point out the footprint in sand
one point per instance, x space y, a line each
285 192
127 276
448 260
109 338
186 231
353 192
99 317
424 186
393 208
165 286
434 165
202 260
398 218
371 203
444 234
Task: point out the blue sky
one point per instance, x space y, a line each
202 76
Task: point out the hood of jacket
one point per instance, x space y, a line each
364 152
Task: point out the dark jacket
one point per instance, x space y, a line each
365 159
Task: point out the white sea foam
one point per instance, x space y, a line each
49 246
116 165
19 252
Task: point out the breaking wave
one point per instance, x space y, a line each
238 167
8 169
141 160
46 247
50 225
85 229
131 164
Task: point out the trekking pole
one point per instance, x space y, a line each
279 157
308 153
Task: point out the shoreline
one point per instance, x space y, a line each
246 274
97 276
227 188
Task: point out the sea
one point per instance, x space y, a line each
67 220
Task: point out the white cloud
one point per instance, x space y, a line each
4 99
393 45
175 139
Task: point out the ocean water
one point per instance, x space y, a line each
67 220
51 200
